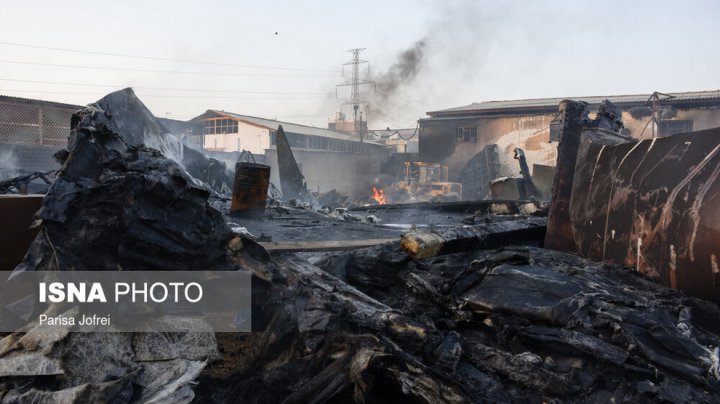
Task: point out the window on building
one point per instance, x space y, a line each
466 134
215 126
671 127
296 140
317 143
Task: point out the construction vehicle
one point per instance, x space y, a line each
428 182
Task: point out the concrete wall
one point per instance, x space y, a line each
530 133
249 137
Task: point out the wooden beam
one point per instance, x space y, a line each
324 245
419 244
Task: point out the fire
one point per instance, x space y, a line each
379 196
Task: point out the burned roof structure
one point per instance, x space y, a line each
454 136
691 99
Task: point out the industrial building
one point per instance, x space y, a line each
329 159
458 136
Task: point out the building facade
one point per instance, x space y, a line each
455 136
328 159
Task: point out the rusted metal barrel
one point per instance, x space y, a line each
250 189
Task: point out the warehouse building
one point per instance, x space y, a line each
328 159
458 136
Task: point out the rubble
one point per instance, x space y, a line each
467 323
115 205
26 183
142 209
138 127
524 323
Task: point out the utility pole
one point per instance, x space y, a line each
355 83
656 98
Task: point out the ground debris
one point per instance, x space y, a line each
518 323
538 323
116 205
139 209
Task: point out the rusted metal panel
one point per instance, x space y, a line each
653 205
16 216
292 181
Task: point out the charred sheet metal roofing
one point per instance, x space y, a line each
542 105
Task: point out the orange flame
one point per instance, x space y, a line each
379 196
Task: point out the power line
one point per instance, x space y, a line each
125 19
165 96
161 88
161 71
162 59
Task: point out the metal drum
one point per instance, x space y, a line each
250 189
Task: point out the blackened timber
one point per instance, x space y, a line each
458 206
330 245
559 231
425 244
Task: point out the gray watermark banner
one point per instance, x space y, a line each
126 301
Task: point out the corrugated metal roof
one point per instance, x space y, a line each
287 126
33 101
490 106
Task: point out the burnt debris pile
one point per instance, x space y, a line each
473 312
518 323
118 205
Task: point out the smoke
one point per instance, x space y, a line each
402 73
439 69
8 164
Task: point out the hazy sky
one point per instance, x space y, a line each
283 59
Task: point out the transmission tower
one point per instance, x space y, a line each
355 83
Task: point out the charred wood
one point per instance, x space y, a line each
425 244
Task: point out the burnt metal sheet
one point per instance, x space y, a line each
292 181
479 171
511 188
653 205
